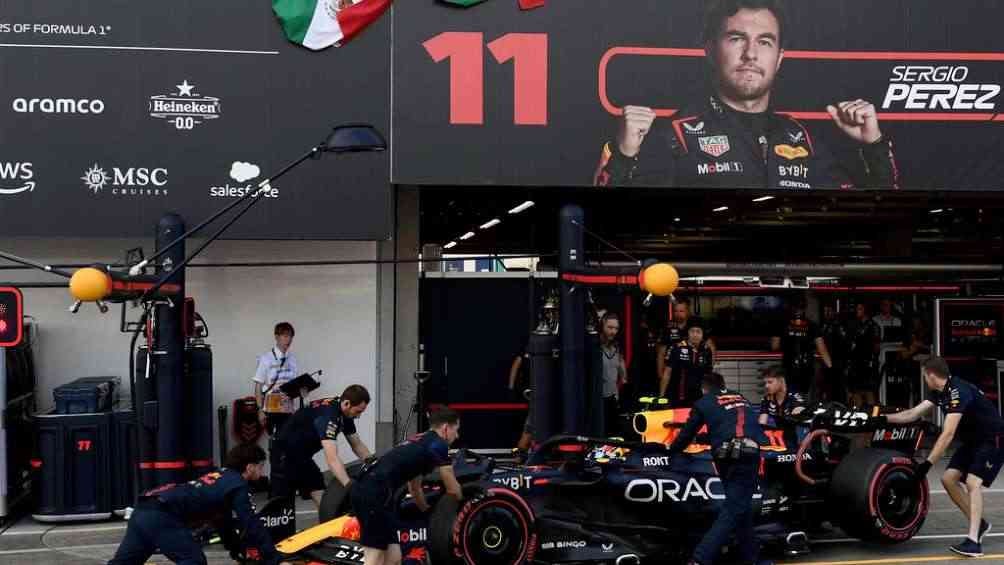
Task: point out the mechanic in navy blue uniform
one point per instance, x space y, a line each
864 340
371 495
313 428
735 437
799 341
975 421
779 403
675 332
165 517
689 360
736 138
834 333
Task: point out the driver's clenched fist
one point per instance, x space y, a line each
635 125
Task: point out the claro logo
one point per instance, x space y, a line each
58 106
284 519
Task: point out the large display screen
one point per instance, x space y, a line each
805 95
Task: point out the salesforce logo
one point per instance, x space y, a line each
58 106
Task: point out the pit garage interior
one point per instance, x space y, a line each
732 249
481 298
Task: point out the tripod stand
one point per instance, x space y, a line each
417 408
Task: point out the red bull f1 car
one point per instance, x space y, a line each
596 500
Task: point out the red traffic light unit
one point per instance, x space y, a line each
11 316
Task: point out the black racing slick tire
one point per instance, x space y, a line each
491 526
877 495
334 502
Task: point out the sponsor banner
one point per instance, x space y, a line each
854 94
108 123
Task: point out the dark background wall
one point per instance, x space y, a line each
273 100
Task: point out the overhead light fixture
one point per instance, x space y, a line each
676 219
721 209
521 207
450 245
491 223
763 199
937 210
467 236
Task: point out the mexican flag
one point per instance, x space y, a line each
317 24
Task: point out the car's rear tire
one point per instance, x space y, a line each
877 496
491 526
334 502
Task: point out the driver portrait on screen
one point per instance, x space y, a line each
734 138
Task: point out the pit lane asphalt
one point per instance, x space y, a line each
31 543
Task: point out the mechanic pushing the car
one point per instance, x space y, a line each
735 437
164 517
977 461
311 429
372 495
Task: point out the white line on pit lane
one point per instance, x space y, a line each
924 537
985 491
60 549
122 526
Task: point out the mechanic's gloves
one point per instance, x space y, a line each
923 467
879 421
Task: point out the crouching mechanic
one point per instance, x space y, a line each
311 429
735 437
372 495
977 461
165 517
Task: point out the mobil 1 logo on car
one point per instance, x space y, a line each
184 108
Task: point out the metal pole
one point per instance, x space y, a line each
261 186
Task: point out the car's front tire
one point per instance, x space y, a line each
491 526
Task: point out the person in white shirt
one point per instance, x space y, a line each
276 367
890 324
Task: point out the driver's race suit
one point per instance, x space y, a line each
713 146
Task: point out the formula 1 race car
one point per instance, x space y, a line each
594 500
